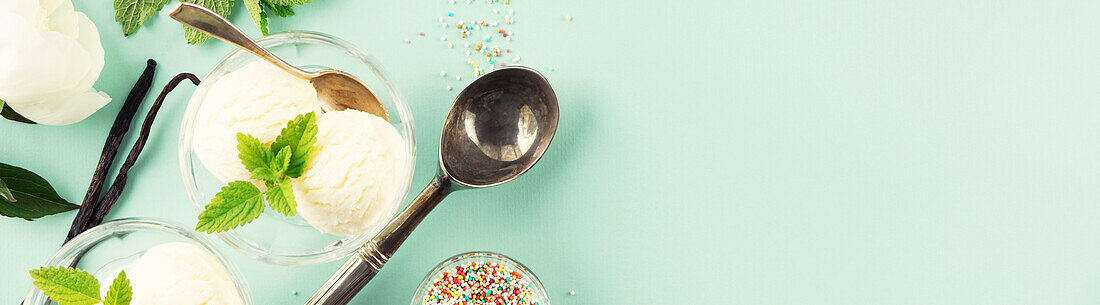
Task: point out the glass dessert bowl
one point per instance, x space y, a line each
108 248
510 274
275 238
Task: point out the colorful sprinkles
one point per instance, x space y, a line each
480 283
481 40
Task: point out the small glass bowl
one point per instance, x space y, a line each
480 257
274 238
107 248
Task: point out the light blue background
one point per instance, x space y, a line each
710 152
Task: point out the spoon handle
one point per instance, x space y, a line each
209 22
366 262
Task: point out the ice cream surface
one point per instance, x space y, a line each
257 99
353 174
179 273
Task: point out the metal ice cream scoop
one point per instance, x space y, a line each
335 89
497 128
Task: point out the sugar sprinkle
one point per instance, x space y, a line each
476 283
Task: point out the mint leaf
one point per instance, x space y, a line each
281 198
222 7
252 153
290 2
257 14
264 174
132 13
240 202
281 161
34 197
67 286
236 204
278 10
299 134
120 292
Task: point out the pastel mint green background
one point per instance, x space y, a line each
709 152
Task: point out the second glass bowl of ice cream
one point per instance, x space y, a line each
274 238
184 266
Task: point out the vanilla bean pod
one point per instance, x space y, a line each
115 190
110 149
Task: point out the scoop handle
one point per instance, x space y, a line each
209 22
361 268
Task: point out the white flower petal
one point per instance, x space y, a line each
61 17
63 108
89 41
27 9
35 64
50 57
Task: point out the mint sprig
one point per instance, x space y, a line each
240 202
71 286
131 14
120 291
235 205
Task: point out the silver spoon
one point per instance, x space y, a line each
336 90
497 128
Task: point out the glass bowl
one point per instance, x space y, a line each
105 249
275 238
480 257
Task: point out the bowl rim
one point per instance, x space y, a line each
85 241
448 263
348 244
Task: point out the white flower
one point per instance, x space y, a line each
50 55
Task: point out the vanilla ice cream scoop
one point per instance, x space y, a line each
353 174
257 99
180 273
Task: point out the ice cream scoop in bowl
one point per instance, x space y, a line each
497 129
275 238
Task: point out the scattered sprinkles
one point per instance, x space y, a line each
483 41
480 283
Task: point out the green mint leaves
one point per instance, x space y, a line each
235 205
221 7
281 198
256 11
67 286
240 202
120 292
70 286
131 14
278 10
289 2
299 135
